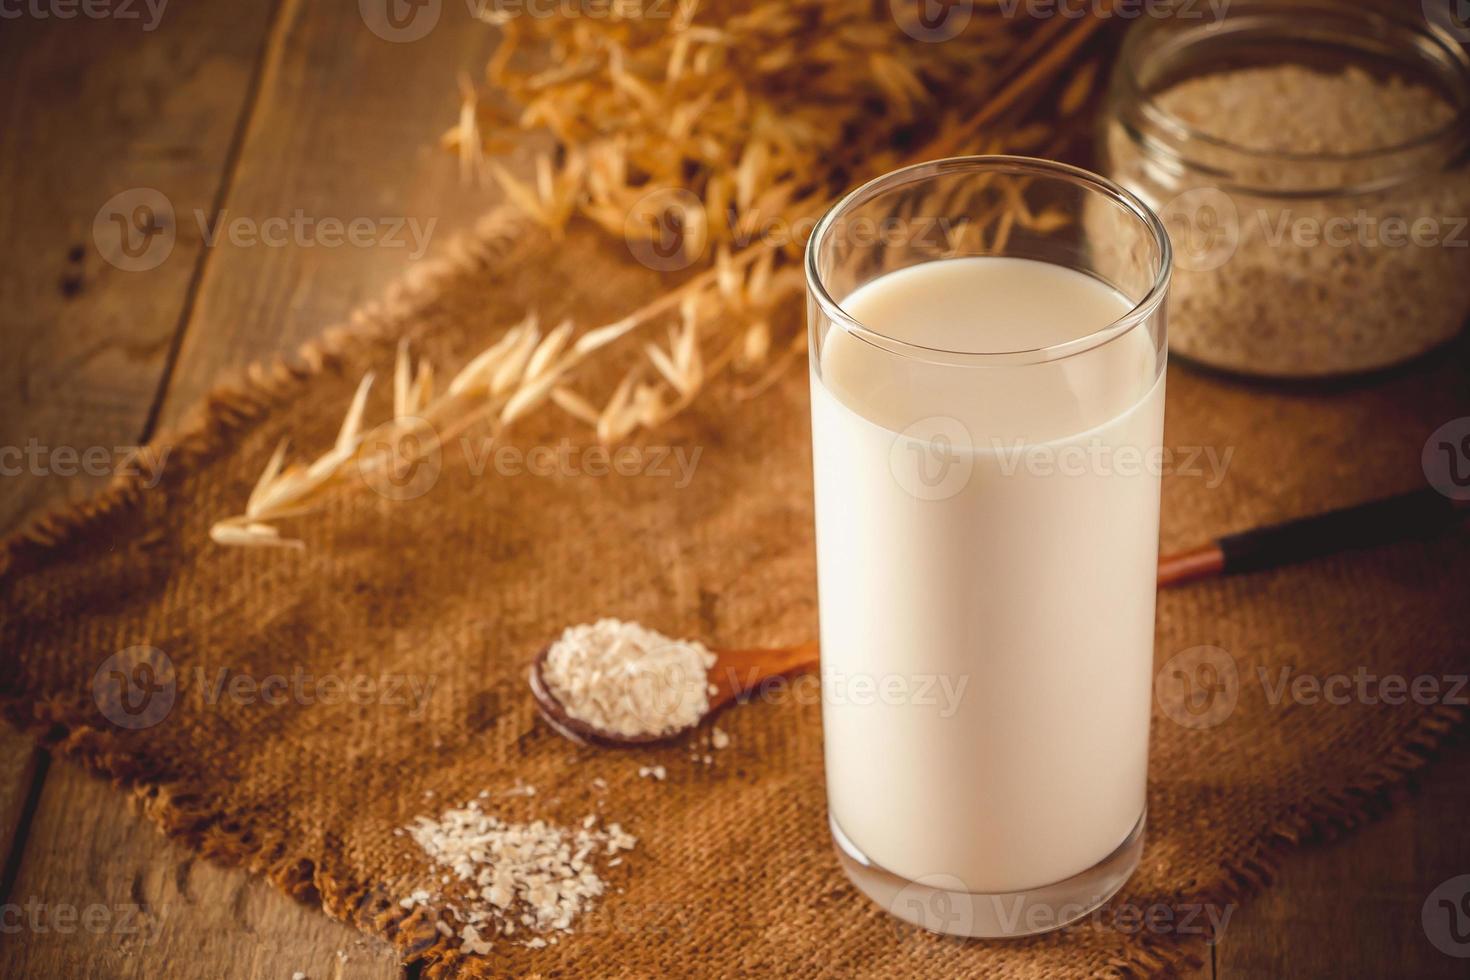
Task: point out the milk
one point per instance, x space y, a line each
987 579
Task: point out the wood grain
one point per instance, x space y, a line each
344 127
21 764
103 895
91 109
347 130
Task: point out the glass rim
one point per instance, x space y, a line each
1140 312
1433 42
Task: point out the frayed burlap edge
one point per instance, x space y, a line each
200 822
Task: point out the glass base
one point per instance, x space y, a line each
940 903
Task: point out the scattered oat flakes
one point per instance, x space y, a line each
537 874
419 897
471 942
657 772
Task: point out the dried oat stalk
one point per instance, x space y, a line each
730 119
718 117
521 372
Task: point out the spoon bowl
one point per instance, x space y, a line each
733 674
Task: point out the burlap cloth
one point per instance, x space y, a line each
734 872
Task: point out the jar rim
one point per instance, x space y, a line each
1433 46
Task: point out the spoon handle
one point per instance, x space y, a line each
1409 515
738 672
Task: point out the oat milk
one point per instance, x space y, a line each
1000 608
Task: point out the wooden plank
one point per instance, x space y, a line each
96 113
102 894
1205 971
1352 908
91 109
345 128
21 764
348 130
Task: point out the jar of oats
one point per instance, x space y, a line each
1312 162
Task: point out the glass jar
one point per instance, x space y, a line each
1311 160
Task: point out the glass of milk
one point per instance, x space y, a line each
987 376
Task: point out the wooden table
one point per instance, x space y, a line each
256 111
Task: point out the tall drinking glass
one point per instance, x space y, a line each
987 375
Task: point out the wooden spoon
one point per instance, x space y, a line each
1416 514
734 673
